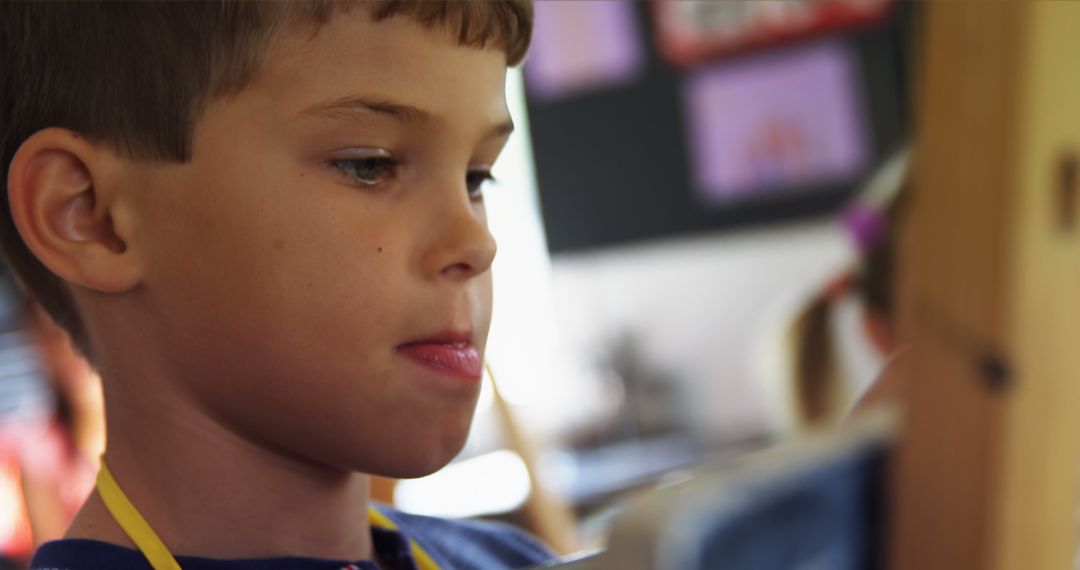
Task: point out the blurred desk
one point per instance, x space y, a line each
813 503
594 477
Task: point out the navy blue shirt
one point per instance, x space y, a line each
453 544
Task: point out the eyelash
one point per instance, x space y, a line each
351 167
475 180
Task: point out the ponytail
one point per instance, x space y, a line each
819 392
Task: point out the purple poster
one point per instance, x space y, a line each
775 122
582 45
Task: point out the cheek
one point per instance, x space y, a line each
271 264
331 286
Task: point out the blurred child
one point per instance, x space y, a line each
51 430
822 392
65 460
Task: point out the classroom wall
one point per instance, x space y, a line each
709 310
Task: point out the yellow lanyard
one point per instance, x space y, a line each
155 551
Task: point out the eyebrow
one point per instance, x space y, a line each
362 107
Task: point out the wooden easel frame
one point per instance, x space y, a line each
988 472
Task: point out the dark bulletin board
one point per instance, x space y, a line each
613 163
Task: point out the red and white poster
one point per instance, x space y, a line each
695 31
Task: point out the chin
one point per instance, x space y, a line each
418 465
417 458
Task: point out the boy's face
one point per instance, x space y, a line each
325 222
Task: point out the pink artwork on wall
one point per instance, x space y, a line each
583 45
775 122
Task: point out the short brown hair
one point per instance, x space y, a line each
137 75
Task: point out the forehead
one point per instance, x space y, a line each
396 59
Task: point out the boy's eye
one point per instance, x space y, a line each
474 182
366 171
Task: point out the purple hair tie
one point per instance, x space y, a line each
865 224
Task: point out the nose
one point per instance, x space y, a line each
461 246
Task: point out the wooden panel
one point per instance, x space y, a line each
1037 526
987 473
953 261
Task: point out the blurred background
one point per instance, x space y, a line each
693 219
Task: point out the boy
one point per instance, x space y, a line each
264 224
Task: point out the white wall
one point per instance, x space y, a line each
708 308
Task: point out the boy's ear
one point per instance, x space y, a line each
59 191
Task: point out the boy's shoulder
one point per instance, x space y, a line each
471 543
452 544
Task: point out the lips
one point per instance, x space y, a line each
451 354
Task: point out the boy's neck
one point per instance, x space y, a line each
208 492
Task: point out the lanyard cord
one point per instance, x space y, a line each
155 551
133 523
422 558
